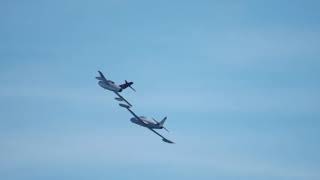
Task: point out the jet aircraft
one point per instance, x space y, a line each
111 86
144 122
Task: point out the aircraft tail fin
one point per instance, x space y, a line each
101 77
162 121
127 84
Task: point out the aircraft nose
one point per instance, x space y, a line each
133 119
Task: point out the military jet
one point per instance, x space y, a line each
144 122
111 86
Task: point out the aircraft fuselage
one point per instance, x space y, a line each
145 123
109 85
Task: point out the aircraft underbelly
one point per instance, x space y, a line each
109 87
138 122
144 123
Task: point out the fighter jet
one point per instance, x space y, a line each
144 122
110 85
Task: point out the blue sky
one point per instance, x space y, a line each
238 80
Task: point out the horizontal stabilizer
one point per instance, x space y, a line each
124 105
167 141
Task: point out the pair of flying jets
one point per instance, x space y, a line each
139 120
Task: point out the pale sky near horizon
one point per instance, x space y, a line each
238 80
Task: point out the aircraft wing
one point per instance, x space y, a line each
122 98
163 138
128 108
